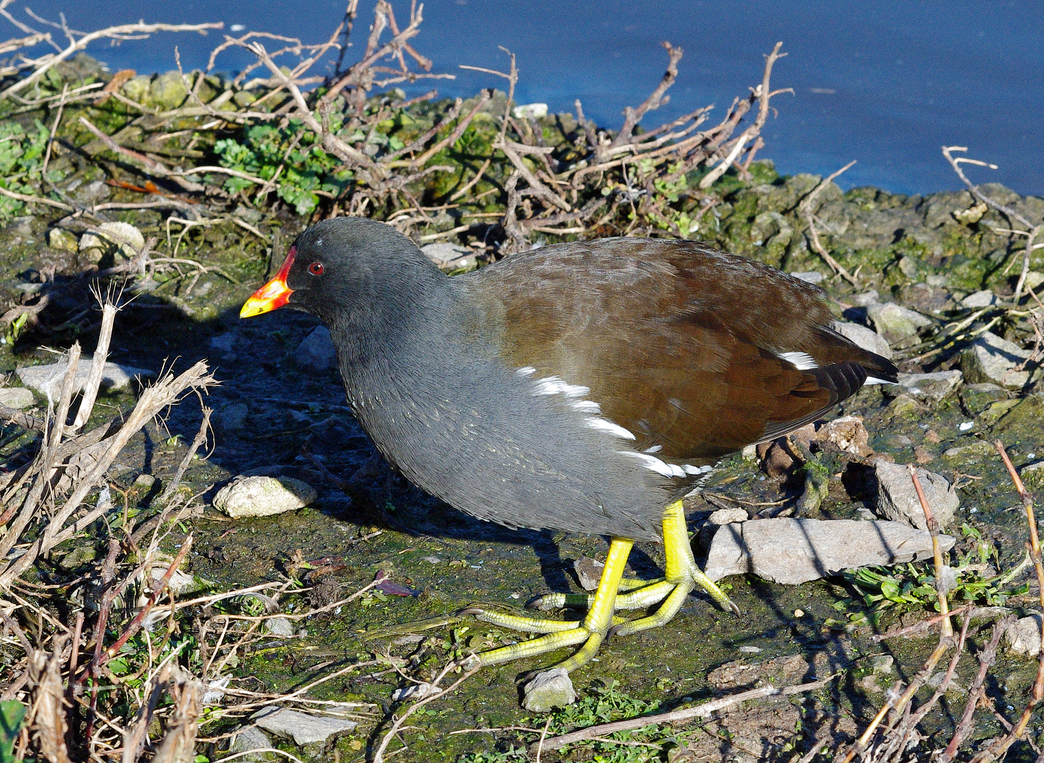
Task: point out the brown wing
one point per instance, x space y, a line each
678 343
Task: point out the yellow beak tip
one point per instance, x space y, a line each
251 308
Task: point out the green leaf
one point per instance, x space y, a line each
12 715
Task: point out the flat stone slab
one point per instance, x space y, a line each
303 728
47 380
793 551
252 745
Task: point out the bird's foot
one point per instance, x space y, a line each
588 634
641 594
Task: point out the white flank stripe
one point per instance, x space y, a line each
653 449
587 406
654 464
875 380
526 371
596 423
552 385
690 469
802 361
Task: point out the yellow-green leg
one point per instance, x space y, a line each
681 570
681 575
590 632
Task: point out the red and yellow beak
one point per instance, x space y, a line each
272 295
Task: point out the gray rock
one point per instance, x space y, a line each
846 433
895 322
793 551
882 664
771 228
47 380
261 496
588 572
1033 474
1034 279
727 516
978 397
450 256
414 692
115 237
530 111
935 386
223 343
865 299
245 741
231 418
994 359
897 498
63 240
810 276
317 351
303 728
137 88
20 227
969 452
548 690
280 627
168 90
941 208
93 192
250 215
1023 636
863 337
16 397
983 298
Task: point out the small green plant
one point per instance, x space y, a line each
12 716
291 157
604 704
912 585
21 162
511 755
908 586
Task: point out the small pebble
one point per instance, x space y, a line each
964 426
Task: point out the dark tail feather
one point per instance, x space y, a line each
837 349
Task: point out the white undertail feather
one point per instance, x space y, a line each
615 429
552 385
802 361
659 466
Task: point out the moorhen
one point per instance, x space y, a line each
583 387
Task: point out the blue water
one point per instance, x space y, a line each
885 82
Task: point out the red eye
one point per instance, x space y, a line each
316 268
